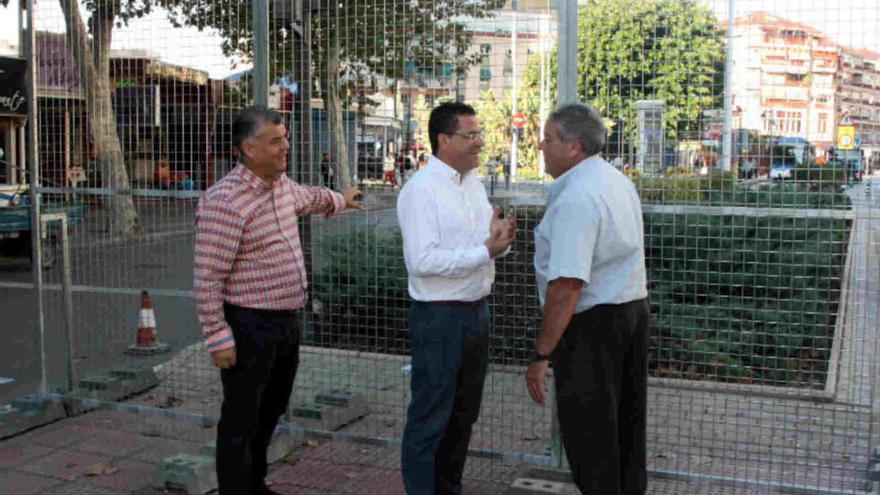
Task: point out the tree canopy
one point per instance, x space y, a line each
669 50
357 47
629 50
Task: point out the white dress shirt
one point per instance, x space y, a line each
444 218
592 230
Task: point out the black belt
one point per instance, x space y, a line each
467 304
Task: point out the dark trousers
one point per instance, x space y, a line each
255 394
450 346
601 373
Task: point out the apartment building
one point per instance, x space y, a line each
784 78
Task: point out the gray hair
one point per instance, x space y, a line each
581 123
249 122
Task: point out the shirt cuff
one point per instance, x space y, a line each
338 203
220 341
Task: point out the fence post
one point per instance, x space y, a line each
34 170
566 84
260 20
726 151
66 285
566 93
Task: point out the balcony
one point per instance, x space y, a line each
784 93
786 69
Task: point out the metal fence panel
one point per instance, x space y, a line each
763 273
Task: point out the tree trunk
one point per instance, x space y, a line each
333 108
93 60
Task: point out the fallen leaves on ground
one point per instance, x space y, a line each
100 470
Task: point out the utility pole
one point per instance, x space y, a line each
260 20
726 141
566 82
514 140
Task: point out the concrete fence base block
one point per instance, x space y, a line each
331 410
194 474
117 383
27 412
282 444
147 350
543 481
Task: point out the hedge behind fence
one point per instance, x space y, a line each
737 299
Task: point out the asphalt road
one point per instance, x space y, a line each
108 275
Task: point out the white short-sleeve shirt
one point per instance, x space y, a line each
592 230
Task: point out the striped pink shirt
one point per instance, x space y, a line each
247 248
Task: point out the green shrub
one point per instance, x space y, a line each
733 298
361 290
829 176
746 299
672 189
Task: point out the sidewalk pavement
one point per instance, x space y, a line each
111 452
114 453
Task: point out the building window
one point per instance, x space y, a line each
822 128
485 74
485 48
768 123
789 122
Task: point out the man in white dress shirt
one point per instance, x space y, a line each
590 273
451 236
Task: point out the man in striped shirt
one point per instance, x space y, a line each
250 281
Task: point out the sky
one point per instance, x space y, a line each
854 23
180 46
849 22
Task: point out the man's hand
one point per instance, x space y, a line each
535 380
501 232
352 197
224 359
505 227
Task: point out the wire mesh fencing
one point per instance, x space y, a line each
760 210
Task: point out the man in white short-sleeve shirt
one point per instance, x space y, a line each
590 271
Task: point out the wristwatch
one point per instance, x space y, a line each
539 357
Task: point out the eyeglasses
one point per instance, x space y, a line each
470 136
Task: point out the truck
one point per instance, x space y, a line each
786 153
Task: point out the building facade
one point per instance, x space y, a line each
784 79
858 95
790 80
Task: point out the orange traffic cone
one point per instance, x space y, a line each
147 342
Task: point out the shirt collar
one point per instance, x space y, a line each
440 167
560 183
255 181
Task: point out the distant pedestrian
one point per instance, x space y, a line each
389 172
327 172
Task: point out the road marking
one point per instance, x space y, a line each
4 380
